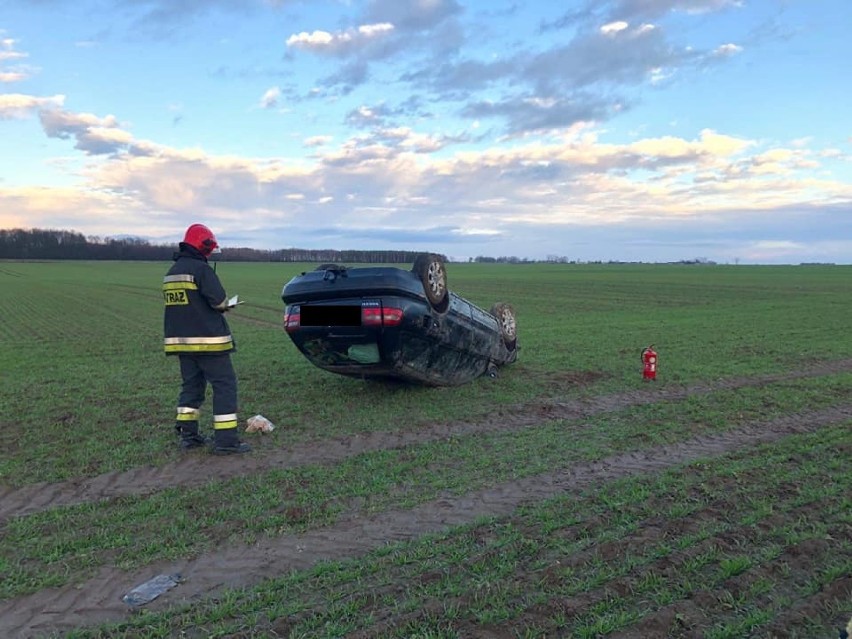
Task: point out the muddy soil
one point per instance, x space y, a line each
98 599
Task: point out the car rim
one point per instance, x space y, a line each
508 323
436 279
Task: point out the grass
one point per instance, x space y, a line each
753 543
178 522
88 375
584 565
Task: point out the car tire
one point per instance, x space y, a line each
505 315
433 275
329 267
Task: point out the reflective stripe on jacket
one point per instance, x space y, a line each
193 321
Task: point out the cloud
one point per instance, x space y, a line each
382 187
269 100
576 181
159 19
405 139
6 55
7 49
413 15
365 116
614 50
381 114
91 211
390 236
349 76
93 135
598 72
566 84
342 43
17 105
392 174
534 114
630 9
783 161
389 30
317 140
614 27
663 150
726 50
13 73
7 77
623 58
466 76
410 168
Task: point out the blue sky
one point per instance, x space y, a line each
649 130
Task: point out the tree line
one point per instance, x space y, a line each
49 244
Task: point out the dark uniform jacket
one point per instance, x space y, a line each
195 301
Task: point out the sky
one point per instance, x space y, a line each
636 130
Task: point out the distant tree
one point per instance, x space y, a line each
69 245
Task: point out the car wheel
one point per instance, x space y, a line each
433 274
505 315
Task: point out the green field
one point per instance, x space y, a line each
566 498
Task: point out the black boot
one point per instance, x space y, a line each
189 436
227 442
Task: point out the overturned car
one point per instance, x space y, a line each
392 323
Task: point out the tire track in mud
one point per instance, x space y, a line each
198 469
98 600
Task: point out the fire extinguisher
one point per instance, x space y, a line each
649 363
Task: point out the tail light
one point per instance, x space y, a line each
375 316
292 319
371 316
392 316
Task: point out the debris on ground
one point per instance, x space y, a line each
151 589
259 424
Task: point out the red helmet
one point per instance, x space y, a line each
201 238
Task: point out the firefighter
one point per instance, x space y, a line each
197 332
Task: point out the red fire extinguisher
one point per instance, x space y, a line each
649 363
